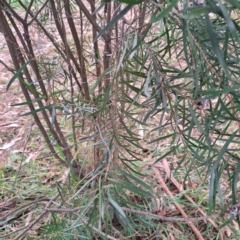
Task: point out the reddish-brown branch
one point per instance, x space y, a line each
179 208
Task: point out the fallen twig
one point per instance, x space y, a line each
4 217
148 214
179 186
162 183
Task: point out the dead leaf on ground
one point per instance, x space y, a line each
32 156
10 144
9 125
28 218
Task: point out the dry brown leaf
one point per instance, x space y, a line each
21 131
32 156
171 236
169 174
8 125
235 224
10 144
28 218
51 178
226 230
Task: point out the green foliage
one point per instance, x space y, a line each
172 81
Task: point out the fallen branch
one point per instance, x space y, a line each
148 214
4 217
179 208
179 186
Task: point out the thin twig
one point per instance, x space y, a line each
109 152
179 186
11 233
36 14
163 184
148 214
23 206
36 220
98 231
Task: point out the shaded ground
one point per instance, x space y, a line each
12 127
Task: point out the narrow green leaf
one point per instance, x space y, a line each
147 187
164 12
165 155
195 118
53 115
109 70
235 181
106 99
113 21
131 1
36 110
118 208
17 74
216 92
130 140
136 137
235 3
134 72
215 45
29 87
100 7
212 192
134 46
29 102
223 150
131 187
123 54
195 12
161 138
146 86
227 222
229 21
